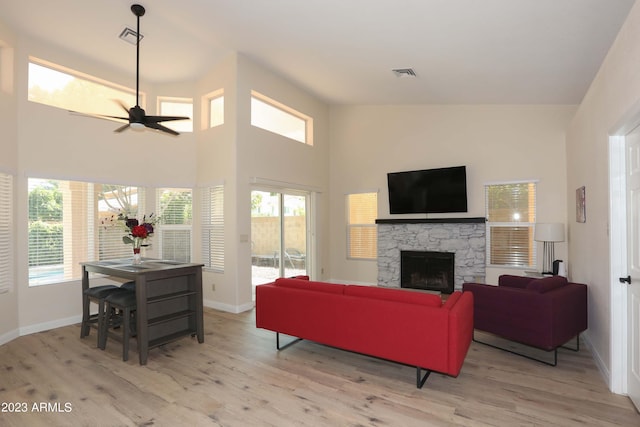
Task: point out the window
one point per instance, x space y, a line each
70 90
215 106
213 228
67 225
6 233
174 231
362 237
275 117
511 216
177 107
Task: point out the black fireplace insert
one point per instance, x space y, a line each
427 270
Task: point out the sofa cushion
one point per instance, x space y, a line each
547 284
396 295
310 285
512 281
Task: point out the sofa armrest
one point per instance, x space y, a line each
460 307
569 311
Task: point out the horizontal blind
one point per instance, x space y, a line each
6 233
213 228
112 201
72 222
362 236
175 207
511 216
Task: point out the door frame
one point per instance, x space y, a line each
618 373
618 259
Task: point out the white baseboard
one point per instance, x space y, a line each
597 359
229 308
45 326
9 336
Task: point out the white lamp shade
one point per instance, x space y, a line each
549 232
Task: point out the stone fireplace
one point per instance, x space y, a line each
427 270
462 238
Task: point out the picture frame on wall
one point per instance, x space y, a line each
581 207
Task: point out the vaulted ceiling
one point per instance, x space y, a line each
343 51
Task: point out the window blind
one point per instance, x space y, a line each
213 228
6 233
511 217
112 200
362 236
174 206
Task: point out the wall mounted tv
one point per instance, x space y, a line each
440 190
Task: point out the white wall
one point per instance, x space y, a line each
613 94
266 157
495 143
8 160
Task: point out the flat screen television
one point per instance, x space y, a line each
441 190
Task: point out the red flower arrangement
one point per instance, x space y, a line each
137 232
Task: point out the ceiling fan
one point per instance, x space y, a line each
137 118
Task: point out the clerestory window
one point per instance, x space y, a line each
61 87
273 116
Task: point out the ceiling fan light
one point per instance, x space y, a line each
137 126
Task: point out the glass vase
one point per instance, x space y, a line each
137 258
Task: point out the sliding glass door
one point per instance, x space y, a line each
279 228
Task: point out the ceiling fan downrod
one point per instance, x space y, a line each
138 11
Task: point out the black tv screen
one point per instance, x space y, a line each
440 190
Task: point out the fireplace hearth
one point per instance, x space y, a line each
427 270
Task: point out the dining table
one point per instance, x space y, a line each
169 302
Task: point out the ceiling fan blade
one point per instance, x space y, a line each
100 116
121 128
120 103
156 119
159 127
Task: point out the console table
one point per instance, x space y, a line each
168 298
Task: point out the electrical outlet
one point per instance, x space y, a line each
213 287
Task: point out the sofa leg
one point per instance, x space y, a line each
576 348
286 345
555 352
420 380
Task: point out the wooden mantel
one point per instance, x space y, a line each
472 220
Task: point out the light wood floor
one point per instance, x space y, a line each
237 378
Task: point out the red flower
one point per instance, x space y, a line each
139 231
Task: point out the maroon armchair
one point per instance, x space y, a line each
544 313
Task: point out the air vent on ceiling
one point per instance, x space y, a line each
404 72
129 35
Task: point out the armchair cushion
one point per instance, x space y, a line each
547 284
511 281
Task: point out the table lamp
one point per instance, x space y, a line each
548 233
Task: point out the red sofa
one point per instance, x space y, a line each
544 313
413 328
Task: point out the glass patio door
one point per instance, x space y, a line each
278 235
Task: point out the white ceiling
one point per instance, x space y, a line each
463 51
